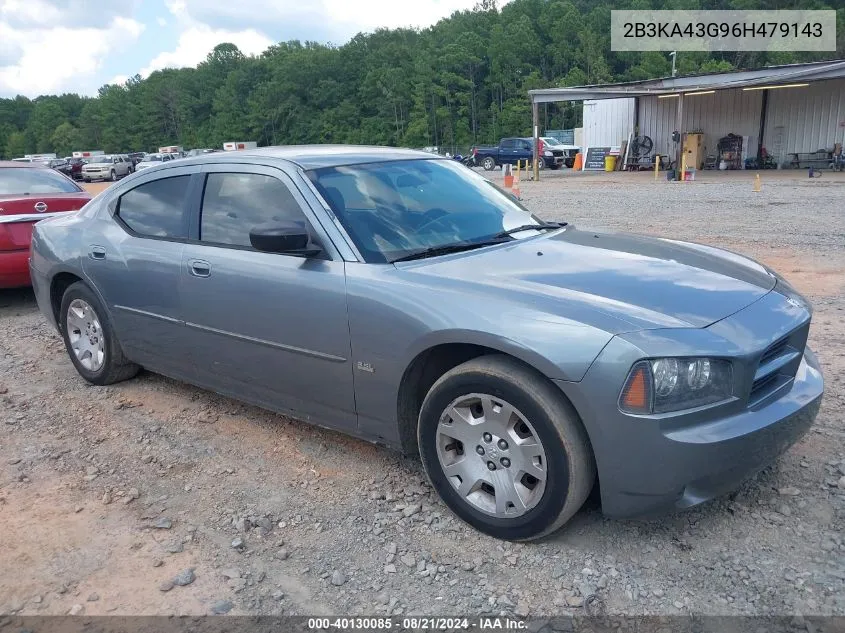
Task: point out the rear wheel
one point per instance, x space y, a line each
113 176
504 449
89 339
489 163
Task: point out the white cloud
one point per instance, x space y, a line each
161 22
335 20
197 41
53 59
55 13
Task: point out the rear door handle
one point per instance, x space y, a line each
199 268
97 252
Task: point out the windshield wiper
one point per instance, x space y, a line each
530 227
456 247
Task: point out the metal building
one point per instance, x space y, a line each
788 110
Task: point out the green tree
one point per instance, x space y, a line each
65 139
16 145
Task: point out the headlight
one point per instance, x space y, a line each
661 385
548 153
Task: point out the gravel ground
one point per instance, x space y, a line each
155 497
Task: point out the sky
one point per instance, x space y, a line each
57 46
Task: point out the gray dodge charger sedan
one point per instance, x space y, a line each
404 299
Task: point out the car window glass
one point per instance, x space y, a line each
394 208
233 204
33 180
508 144
156 208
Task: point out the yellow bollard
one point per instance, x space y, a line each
684 166
656 164
758 185
518 166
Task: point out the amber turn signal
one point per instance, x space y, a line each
636 394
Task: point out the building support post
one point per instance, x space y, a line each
536 143
679 125
764 108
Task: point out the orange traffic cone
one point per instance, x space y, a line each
508 176
579 162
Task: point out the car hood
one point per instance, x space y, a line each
620 282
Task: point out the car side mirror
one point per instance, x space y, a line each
287 239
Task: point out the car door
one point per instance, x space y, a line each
266 327
134 258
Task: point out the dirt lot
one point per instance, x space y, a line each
108 495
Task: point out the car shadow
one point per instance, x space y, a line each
20 298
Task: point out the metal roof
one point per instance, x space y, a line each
770 75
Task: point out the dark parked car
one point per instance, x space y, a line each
402 298
61 165
511 150
136 157
75 165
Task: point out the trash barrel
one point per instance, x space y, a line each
610 163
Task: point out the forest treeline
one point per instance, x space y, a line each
460 82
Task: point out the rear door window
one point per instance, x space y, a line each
156 209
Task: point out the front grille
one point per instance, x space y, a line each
778 364
774 350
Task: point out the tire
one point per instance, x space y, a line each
112 176
567 461
114 366
541 164
489 163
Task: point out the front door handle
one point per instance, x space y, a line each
199 268
97 252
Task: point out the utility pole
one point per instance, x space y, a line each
673 54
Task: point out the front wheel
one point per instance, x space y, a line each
113 176
504 449
90 342
489 164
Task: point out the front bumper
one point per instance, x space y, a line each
95 175
669 468
650 464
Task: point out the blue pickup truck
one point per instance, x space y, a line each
510 150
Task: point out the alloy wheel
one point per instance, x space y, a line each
85 335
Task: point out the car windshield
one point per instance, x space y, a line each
100 159
17 181
395 209
152 158
549 140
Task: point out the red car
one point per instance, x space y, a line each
29 192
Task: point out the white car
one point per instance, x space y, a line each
107 167
569 151
151 160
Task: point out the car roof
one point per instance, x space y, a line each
21 164
316 156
